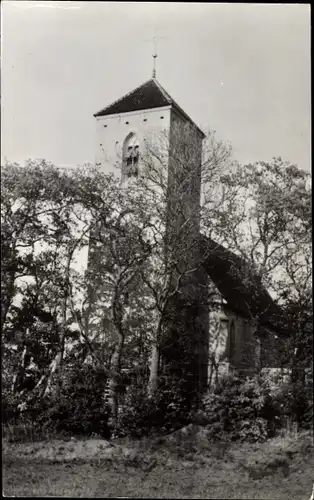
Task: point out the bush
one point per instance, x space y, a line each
9 407
22 430
80 408
294 403
240 410
140 415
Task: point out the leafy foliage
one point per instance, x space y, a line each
294 403
266 218
80 408
56 317
240 410
141 415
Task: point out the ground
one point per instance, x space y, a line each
182 465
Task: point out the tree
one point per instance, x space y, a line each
144 258
41 233
266 219
174 167
166 199
119 247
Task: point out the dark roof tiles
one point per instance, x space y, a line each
149 95
146 96
239 285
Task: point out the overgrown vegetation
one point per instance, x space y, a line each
142 415
254 410
99 351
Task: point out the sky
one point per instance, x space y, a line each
240 69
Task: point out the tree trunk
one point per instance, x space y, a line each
153 375
114 380
154 361
19 376
7 296
258 354
46 380
53 368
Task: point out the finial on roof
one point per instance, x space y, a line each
154 67
154 40
154 56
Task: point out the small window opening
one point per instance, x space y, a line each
161 117
105 126
145 120
127 123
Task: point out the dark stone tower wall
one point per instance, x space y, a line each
184 350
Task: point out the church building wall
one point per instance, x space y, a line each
232 344
243 357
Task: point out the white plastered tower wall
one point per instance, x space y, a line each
161 133
112 131
170 148
147 129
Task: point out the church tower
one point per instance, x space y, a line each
143 115
148 123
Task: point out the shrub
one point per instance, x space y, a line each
254 431
80 408
294 403
238 409
141 415
23 429
9 407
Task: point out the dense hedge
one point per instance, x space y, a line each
253 409
248 410
80 408
166 411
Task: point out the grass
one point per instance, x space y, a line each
279 469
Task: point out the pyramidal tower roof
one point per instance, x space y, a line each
148 95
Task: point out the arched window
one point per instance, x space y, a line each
131 153
232 343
